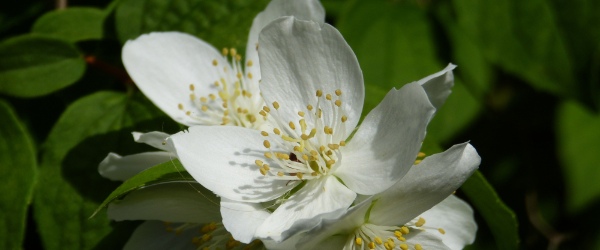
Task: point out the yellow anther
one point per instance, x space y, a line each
305 157
421 154
268 155
266 109
282 156
276 131
378 240
238 58
252 118
299 175
342 143
264 133
397 233
216 83
262 113
212 96
344 118
203 99
297 148
404 230
238 75
319 93
333 146
292 126
420 222
403 246
226 112
206 237
338 92
279 174
267 144
314 153
417 162
188 113
249 63
418 247
215 62
233 51
358 241
309 107
225 120
338 103
301 114
441 230
224 105
180 106
249 75
319 113
276 105
192 97
322 148
259 163
192 87
263 171
266 167
401 239
371 245
330 162
304 137
225 51
328 97
329 152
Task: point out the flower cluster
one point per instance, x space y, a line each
291 167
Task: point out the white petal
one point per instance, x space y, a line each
387 142
163 65
455 217
305 10
425 239
297 59
222 159
425 185
155 139
439 85
153 235
242 219
173 202
121 168
317 200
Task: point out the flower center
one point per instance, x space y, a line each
209 236
310 146
234 98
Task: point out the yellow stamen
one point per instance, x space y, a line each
420 222
267 144
214 62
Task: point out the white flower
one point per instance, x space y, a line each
313 89
418 212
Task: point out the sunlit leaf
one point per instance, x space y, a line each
579 138
69 187
32 66
395 45
171 171
18 168
500 219
221 23
72 24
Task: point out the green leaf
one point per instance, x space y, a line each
579 137
394 43
72 24
33 66
221 23
500 219
69 186
18 168
171 171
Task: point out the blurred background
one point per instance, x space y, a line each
527 96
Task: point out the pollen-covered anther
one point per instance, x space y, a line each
267 144
233 52
282 156
249 63
421 154
292 126
276 105
418 247
358 241
441 230
371 245
404 230
319 93
180 106
378 240
342 143
328 97
420 222
338 103
225 51
203 99
266 109
249 75
264 133
344 118
403 246
276 131
280 174
301 114
333 146
259 163
309 107
215 62
299 175
417 162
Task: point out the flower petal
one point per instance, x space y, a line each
316 201
439 85
300 57
425 185
155 139
163 65
305 10
242 219
425 239
222 159
455 218
387 142
121 168
153 235
173 202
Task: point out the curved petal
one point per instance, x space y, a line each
163 65
305 10
173 202
317 200
154 235
425 185
455 217
121 168
439 85
155 139
222 159
300 57
425 239
387 142
242 219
